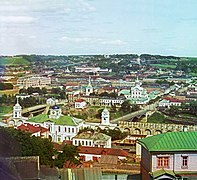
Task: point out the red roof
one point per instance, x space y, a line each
31 128
172 99
102 151
79 100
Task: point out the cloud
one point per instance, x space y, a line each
114 42
93 40
75 39
17 19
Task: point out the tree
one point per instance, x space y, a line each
68 156
33 146
126 106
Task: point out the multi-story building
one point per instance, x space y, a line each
33 81
60 127
92 140
136 94
171 155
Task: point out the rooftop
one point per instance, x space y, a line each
171 141
62 120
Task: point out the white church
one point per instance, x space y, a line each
61 127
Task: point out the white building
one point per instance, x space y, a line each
17 119
80 103
167 102
51 101
137 94
107 101
92 140
60 127
33 81
89 88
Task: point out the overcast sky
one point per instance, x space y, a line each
167 27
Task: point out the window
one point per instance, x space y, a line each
73 130
59 128
162 162
65 129
184 162
69 130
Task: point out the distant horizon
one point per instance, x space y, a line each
95 54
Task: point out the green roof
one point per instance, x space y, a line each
63 120
125 92
39 118
171 141
161 172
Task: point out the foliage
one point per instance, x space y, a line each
127 107
69 155
115 134
6 86
31 90
33 146
7 99
31 101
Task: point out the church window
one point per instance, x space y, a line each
59 129
69 130
73 130
65 129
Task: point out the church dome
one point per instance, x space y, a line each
55 107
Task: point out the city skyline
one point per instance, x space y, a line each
62 27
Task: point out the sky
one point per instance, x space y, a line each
71 27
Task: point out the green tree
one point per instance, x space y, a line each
69 155
126 106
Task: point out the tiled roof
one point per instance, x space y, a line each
31 128
102 151
79 100
171 141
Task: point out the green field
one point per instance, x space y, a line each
13 61
156 117
164 66
5 110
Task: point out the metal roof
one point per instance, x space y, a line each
171 141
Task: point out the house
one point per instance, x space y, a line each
94 153
109 101
171 155
51 101
168 101
35 130
80 103
92 140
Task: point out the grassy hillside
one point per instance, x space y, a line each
4 110
13 61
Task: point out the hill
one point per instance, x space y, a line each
13 61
